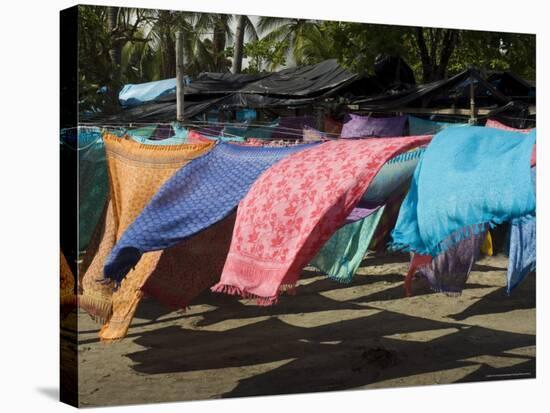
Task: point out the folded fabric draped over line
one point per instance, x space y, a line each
468 177
419 126
199 195
448 272
357 126
136 171
392 176
93 185
295 207
342 254
522 256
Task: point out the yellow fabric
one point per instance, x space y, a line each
487 246
136 172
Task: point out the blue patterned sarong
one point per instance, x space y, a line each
203 192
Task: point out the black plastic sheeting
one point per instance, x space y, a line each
303 81
209 83
452 92
156 112
293 87
391 88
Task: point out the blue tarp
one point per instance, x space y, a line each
133 95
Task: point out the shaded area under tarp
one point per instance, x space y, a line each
391 89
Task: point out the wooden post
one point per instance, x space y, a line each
179 76
472 120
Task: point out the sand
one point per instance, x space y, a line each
328 336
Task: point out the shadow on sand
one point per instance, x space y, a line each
321 354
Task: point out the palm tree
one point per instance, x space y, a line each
244 24
290 32
315 47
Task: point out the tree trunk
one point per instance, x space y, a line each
427 68
450 42
436 53
115 52
218 45
168 56
238 46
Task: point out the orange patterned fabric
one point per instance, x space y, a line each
66 286
136 172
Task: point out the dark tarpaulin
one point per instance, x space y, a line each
513 86
302 81
156 112
209 83
297 86
454 91
298 82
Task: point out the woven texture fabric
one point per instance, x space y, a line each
160 142
196 137
342 254
179 130
192 266
295 207
419 126
136 172
382 235
197 196
313 135
144 132
491 123
67 295
522 255
449 271
93 185
357 126
394 174
468 177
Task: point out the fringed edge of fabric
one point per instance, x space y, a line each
459 235
450 241
439 290
341 280
332 277
289 289
99 309
237 291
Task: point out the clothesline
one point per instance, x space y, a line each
284 131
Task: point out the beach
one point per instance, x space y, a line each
326 337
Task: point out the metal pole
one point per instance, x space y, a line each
472 120
179 76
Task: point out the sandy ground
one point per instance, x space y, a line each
328 337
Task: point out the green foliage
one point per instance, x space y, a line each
265 54
144 41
